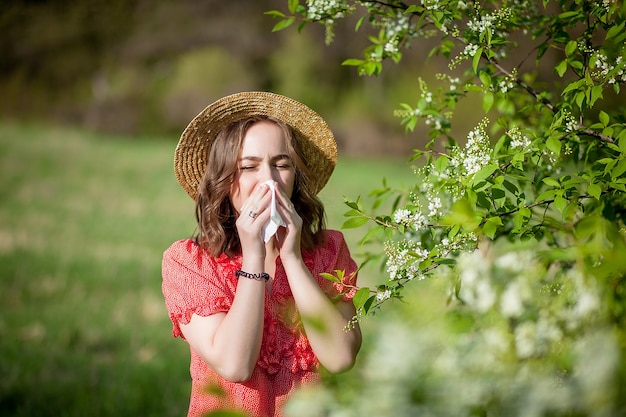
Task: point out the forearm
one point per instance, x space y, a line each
237 340
324 322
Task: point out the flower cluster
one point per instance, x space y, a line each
383 294
394 30
482 23
403 259
476 153
470 50
327 10
489 21
408 218
507 83
569 121
519 141
612 72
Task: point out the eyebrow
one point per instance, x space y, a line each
257 158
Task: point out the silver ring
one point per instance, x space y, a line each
253 214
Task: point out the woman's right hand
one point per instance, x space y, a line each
253 215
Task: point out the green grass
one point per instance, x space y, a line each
84 219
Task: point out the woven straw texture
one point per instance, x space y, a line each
312 132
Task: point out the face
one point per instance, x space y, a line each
263 156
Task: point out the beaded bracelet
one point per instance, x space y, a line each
260 276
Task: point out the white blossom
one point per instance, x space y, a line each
511 304
402 216
403 259
383 295
470 50
518 139
434 207
476 153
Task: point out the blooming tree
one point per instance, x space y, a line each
524 215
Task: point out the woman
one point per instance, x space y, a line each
246 292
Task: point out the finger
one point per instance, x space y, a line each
257 201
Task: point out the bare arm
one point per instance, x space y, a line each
230 342
324 321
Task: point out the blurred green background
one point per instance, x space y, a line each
94 95
143 67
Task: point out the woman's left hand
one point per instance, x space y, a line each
288 237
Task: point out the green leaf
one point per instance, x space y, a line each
554 145
491 226
546 195
483 201
510 186
614 31
370 234
354 222
580 99
561 68
498 193
361 297
414 9
488 100
329 277
484 173
570 48
573 182
552 182
353 62
573 86
275 13
560 203
359 23
617 186
283 24
368 304
352 204
485 78
292 5
476 59
604 118
609 166
462 213
441 164
622 142
619 169
596 94
521 218
594 190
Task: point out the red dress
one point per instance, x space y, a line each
195 282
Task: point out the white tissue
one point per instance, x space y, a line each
275 220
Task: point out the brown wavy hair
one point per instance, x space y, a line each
215 213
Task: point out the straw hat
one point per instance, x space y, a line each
313 134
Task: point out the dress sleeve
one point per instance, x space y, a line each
336 256
193 282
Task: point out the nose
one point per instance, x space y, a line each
268 173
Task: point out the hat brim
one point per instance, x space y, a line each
316 140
